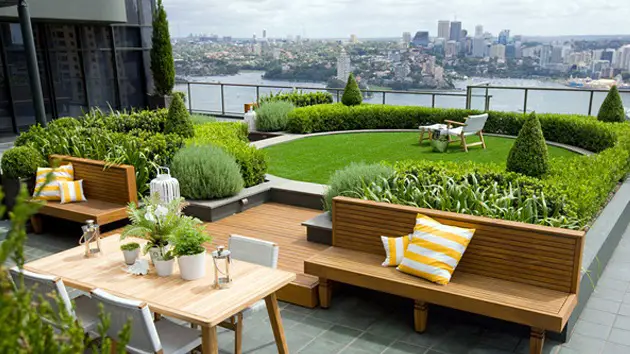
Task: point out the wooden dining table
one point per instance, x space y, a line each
196 301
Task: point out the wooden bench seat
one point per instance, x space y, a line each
107 188
522 273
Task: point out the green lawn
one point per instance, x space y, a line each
315 159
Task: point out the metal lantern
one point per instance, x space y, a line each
91 238
221 259
165 186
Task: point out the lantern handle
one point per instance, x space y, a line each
159 168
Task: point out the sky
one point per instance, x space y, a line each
389 18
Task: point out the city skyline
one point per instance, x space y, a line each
384 19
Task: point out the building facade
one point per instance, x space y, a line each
444 29
421 39
93 55
343 66
456 31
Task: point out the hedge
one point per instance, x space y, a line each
299 98
232 137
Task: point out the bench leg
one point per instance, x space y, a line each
536 341
325 292
37 223
420 314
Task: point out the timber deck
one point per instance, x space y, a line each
281 224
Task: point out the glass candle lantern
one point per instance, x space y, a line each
91 238
221 259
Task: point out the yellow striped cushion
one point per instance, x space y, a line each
51 190
394 249
72 191
435 250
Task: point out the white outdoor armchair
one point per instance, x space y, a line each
473 126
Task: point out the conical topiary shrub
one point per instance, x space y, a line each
612 108
178 120
352 94
529 153
162 64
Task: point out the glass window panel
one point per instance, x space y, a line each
127 37
131 78
102 93
12 34
147 35
62 37
96 37
146 15
98 64
6 123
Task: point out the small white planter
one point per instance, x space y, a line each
131 256
192 267
164 268
155 254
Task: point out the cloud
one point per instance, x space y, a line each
389 18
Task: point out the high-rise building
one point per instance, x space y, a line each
478 31
625 57
479 47
421 39
510 51
450 49
463 34
406 38
556 54
497 51
456 31
444 28
608 54
504 37
264 34
545 55
95 56
353 38
343 66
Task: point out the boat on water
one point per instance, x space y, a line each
589 83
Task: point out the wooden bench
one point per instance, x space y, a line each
108 190
517 272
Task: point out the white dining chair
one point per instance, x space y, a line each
162 337
255 251
85 311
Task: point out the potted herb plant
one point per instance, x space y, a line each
164 265
130 251
439 142
157 223
191 255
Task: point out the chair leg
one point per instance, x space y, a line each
325 292
420 314
536 341
464 143
37 223
483 142
238 334
421 137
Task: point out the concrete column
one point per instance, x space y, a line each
31 62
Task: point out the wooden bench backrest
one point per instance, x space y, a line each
531 254
114 184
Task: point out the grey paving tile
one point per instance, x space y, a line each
459 341
371 343
393 327
626 298
613 348
404 348
609 294
340 334
499 340
289 319
433 335
312 326
350 350
592 329
584 344
298 309
320 346
487 349
622 322
613 284
550 347
603 305
356 321
599 317
619 336
624 309
296 340
565 350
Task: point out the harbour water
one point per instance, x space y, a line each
207 98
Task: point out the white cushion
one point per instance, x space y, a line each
433 127
456 132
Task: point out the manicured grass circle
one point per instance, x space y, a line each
314 159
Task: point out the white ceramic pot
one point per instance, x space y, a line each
192 267
164 268
131 256
155 254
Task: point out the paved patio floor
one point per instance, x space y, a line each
361 322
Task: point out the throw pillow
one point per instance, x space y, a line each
394 249
51 190
72 191
435 250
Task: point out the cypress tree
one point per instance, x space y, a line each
178 120
162 64
352 94
528 156
612 108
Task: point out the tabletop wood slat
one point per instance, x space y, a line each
193 301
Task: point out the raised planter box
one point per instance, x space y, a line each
319 229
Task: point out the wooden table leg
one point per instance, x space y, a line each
209 343
276 323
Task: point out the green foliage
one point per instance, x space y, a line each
129 246
157 222
21 162
353 176
162 64
612 109
65 122
529 153
189 242
352 95
178 120
202 119
273 116
206 172
232 137
299 98
21 312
